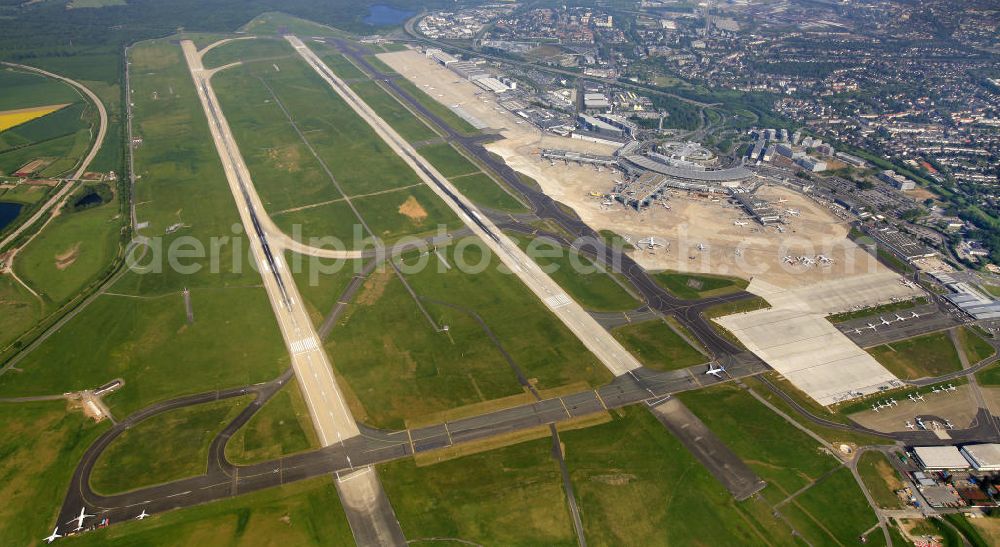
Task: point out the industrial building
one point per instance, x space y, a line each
896 180
983 457
811 164
940 458
593 124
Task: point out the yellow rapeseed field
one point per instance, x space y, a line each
11 118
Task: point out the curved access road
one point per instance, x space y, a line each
102 130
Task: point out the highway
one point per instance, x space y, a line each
102 130
599 341
329 412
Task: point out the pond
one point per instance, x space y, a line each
382 15
8 212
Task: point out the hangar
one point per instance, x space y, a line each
940 458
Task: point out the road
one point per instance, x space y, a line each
102 130
329 412
596 339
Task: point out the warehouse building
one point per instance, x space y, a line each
940 458
983 457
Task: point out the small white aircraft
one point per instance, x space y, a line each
920 423
793 212
914 315
79 520
884 322
808 261
893 402
55 535
857 331
876 408
872 326
740 223
900 318
948 424
788 260
824 259
702 246
936 389
909 425
715 370
142 515
951 388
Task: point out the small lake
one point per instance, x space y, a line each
382 15
8 212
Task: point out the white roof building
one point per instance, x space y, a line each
940 457
983 457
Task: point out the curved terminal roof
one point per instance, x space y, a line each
737 173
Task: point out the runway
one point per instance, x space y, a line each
596 339
329 412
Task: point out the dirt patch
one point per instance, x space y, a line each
373 288
617 479
412 210
287 158
68 257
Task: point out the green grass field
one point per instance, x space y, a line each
657 346
508 496
137 457
693 286
822 521
409 211
782 455
397 368
447 160
408 126
247 50
976 349
321 281
880 478
638 485
281 427
486 192
41 444
439 110
70 252
592 287
927 355
19 309
339 64
302 513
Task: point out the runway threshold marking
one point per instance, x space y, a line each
563 403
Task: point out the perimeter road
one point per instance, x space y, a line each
598 340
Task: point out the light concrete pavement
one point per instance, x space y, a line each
102 130
329 412
615 357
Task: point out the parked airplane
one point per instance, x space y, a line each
702 246
807 261
55 535
872 326
824 259
884 322
79 520
876 408
909 425
142 515
740 223
935 389
788 260
951 388
899 318
914 315
715 370
857 331
793 212
920 423
948 424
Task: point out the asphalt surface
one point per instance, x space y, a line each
224 479
327 408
